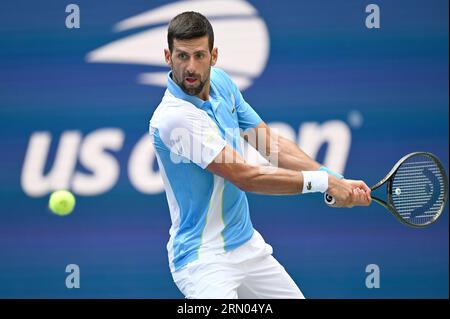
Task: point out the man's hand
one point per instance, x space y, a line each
348 193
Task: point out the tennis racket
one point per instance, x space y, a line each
416 189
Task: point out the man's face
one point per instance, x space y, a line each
191 63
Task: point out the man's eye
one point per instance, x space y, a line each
200 55
182 56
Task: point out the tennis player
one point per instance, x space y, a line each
214 251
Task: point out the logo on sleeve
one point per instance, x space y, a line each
309 186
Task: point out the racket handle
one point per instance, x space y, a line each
329 200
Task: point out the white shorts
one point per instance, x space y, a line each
248 272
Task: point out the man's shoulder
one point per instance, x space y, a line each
219 76
171 110
170 100
222 82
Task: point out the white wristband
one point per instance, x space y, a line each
315 181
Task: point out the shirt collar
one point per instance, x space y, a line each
178 92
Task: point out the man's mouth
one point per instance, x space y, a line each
191 80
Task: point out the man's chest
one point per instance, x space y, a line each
223 113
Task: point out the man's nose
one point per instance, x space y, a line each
190 68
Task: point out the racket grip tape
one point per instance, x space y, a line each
329 200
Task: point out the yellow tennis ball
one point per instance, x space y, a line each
61 202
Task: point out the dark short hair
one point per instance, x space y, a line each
190 25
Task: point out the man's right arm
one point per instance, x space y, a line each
277 181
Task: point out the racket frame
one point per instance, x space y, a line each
388 179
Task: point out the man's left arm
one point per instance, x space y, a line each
279 150
286 154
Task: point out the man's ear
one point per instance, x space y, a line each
168 57
214 56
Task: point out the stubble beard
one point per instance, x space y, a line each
193 91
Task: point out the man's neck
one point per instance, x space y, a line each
204 94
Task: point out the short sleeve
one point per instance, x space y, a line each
247 116
192 135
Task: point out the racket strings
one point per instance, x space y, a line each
418 190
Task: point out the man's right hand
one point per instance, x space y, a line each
348 193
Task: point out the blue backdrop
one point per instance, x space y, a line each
387 87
